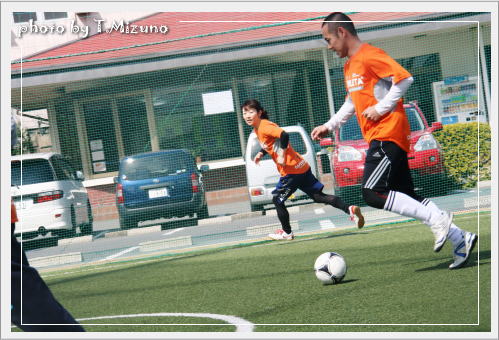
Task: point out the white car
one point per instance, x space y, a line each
263 178
49 196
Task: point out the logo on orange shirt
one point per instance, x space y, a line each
354 82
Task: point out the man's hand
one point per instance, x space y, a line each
319 132
258 156
371 114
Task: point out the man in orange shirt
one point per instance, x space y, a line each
375 84
294 170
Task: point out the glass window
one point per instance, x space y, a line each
55 15
133 117
426 70
58 169
63 170
156 165
24 16
297 142
414 118
66 125
33 171
487 61
255 148
351 130
182 124
101 136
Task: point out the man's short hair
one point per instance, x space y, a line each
340 20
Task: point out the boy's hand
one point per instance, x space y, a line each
258 156
319 132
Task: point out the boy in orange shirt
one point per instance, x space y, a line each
375 84
294 170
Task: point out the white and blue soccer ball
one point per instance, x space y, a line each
330 268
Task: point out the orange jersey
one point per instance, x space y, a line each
268 134
364 73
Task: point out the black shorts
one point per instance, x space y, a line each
288 184
387 168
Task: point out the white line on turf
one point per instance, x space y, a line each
172 231
326 224
121 253
319 211
241 324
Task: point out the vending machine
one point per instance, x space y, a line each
457 100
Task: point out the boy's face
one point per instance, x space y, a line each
251 116
336 41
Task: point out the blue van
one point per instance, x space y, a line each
160 184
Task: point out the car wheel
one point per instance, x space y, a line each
88 228
127 223
203 213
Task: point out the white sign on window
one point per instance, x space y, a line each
98 155
99 166
96 144
218 102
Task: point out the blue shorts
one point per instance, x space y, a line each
288 184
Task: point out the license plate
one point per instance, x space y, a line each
155 193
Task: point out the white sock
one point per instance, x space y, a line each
456 234
407 206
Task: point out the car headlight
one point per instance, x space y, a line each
348 154
426 142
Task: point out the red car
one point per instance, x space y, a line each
349 152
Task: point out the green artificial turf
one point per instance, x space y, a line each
395 283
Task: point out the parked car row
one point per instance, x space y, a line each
50 196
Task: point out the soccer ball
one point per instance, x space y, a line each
330 268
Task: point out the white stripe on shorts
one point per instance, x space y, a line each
377 173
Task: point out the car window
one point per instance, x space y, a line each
351 130
255 148
62 169
33 171
297 142
295 139
414 118
156 166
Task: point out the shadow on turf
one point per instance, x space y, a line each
286 304
472 261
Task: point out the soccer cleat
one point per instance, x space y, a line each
463 250
282 235
356 216
441 230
